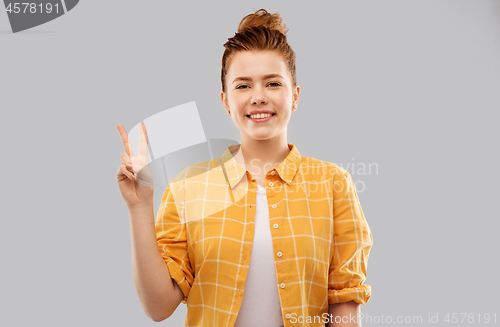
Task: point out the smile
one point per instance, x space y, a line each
257 119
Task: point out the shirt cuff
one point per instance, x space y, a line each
359 294
177 274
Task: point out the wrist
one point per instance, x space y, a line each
144 207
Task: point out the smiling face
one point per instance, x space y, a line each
259 81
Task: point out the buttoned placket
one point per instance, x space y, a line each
270 181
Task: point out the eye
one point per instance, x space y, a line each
278 84
240 86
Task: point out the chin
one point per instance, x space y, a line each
261 137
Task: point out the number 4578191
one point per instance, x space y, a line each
31 8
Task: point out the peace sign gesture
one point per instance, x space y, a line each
134 176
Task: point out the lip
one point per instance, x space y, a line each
261 120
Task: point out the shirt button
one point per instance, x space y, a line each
271 183
275 225
288 316
274 206
279 254
282 285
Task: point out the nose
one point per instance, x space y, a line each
258 96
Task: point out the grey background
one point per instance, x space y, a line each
412 86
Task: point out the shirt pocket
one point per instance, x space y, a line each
217 245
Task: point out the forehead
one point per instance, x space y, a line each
256 63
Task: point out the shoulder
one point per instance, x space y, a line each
328 170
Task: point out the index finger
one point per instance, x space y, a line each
126 144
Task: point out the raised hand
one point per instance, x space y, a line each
134 176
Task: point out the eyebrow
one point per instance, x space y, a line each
246 78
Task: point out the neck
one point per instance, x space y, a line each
262 155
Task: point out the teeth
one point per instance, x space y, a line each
260 116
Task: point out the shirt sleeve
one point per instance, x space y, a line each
352 243
172 241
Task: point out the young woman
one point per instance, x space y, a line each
261 236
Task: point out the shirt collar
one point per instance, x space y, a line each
235 172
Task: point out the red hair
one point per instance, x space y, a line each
259 31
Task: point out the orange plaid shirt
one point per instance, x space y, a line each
321 240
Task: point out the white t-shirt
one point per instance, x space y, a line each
261 303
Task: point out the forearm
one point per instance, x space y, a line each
152 280
344 314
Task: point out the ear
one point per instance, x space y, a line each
223 99
296 97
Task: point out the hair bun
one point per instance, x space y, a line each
263 18
260 31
